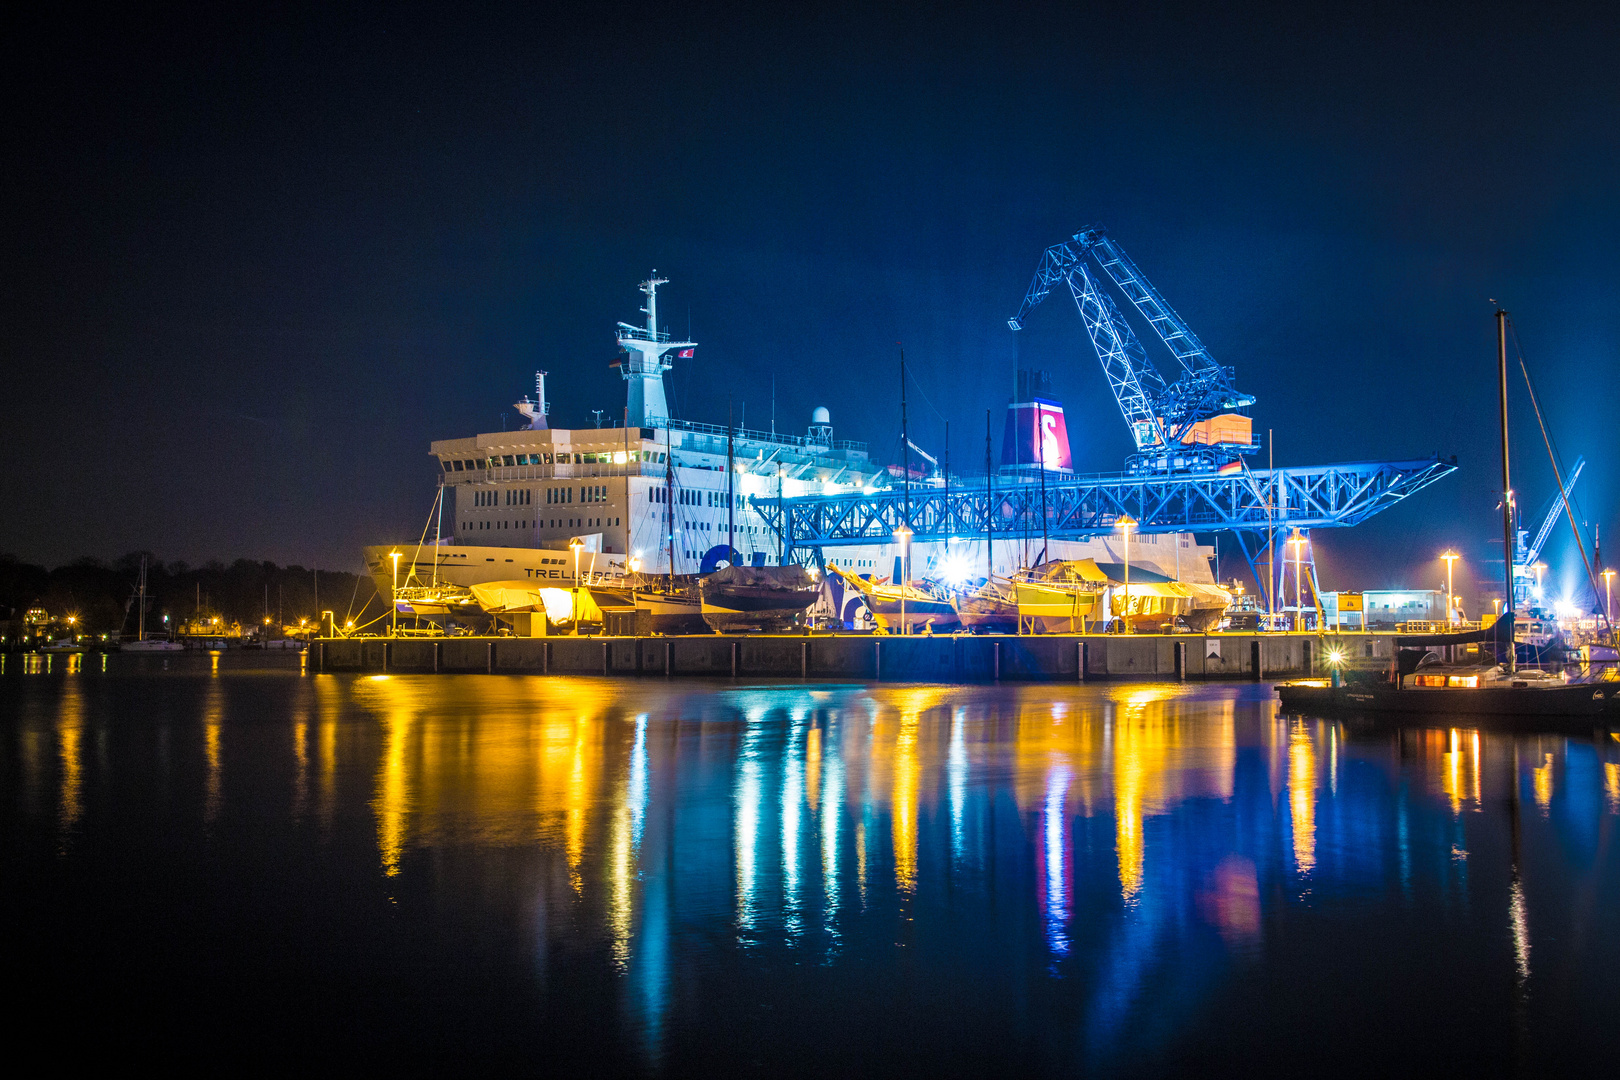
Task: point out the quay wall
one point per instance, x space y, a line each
864 657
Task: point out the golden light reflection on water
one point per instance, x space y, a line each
573 769
213 720
1302 796
1542 781
69 735
1611 786
904 805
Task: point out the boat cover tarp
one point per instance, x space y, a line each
1068 571
512 597
503 596
787 578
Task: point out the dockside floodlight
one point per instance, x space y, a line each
1125 523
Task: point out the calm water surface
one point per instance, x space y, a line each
239 861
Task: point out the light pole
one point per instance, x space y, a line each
1450 557
903 534
576 545
1124 522
1297 542
393 597
1608 612
1540 566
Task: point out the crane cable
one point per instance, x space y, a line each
1558 475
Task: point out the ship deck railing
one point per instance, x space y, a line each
755 435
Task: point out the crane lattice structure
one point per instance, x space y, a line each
1167 420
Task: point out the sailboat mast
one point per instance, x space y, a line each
731 490
905 442
1507 487
438 532
989 504
669 504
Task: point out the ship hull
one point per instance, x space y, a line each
1584 699
744 607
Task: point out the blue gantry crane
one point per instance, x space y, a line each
1194 424
1187 474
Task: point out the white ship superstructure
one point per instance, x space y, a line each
660 495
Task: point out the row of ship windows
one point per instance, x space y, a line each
486 526
590 493
496 461
511 497
692 497
555 523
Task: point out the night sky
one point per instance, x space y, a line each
256 259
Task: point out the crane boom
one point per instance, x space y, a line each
1166 420
1533 551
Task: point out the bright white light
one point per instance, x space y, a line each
956 568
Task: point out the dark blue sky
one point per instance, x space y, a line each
255 262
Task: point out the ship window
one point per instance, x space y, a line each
446 463
457 464
508 459
470 465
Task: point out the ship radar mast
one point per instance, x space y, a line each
539 409
645 361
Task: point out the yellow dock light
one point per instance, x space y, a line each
576 545
1125 522
1450 557
903 535
393 603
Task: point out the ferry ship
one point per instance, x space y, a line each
661 497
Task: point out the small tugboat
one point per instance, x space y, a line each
1421 682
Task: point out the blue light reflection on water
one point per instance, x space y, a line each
1052 878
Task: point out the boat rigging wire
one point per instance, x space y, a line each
1558 474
